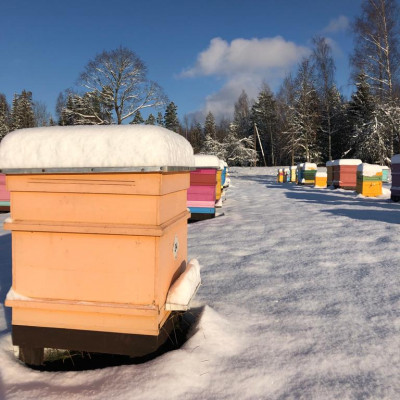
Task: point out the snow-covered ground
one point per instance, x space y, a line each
300 299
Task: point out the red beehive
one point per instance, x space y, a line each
345 173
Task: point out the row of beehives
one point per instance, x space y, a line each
99 235
350 174
208 185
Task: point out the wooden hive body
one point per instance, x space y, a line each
95 252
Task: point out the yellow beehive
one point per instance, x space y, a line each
369 180
293 170
320 179
218 186
280 175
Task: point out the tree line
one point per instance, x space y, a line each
307 119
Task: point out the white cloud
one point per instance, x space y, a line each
336 49
338 24
244 55
245 64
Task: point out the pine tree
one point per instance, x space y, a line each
171 117
214 147
4 116
370 136
341 132
160 119
264 115
150 120
195 136
210 128
239 151
242 115
22 115
137 119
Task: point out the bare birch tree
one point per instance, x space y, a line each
324 71
377 54
118 77
306 112
376 50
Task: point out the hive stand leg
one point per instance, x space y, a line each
31 356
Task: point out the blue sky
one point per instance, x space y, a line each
202 53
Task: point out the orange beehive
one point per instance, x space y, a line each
95 253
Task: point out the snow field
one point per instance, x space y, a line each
300 299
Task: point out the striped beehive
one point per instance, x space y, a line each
201 195
309 171
369 180
4 194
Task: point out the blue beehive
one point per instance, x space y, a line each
300 172
385 174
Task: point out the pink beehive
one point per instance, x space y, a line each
202 192
4 194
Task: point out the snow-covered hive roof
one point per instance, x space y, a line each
106 146
309 166
206 161
369 169
396 159
347 161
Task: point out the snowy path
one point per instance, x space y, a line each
301 297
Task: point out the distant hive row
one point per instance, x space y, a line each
350 174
